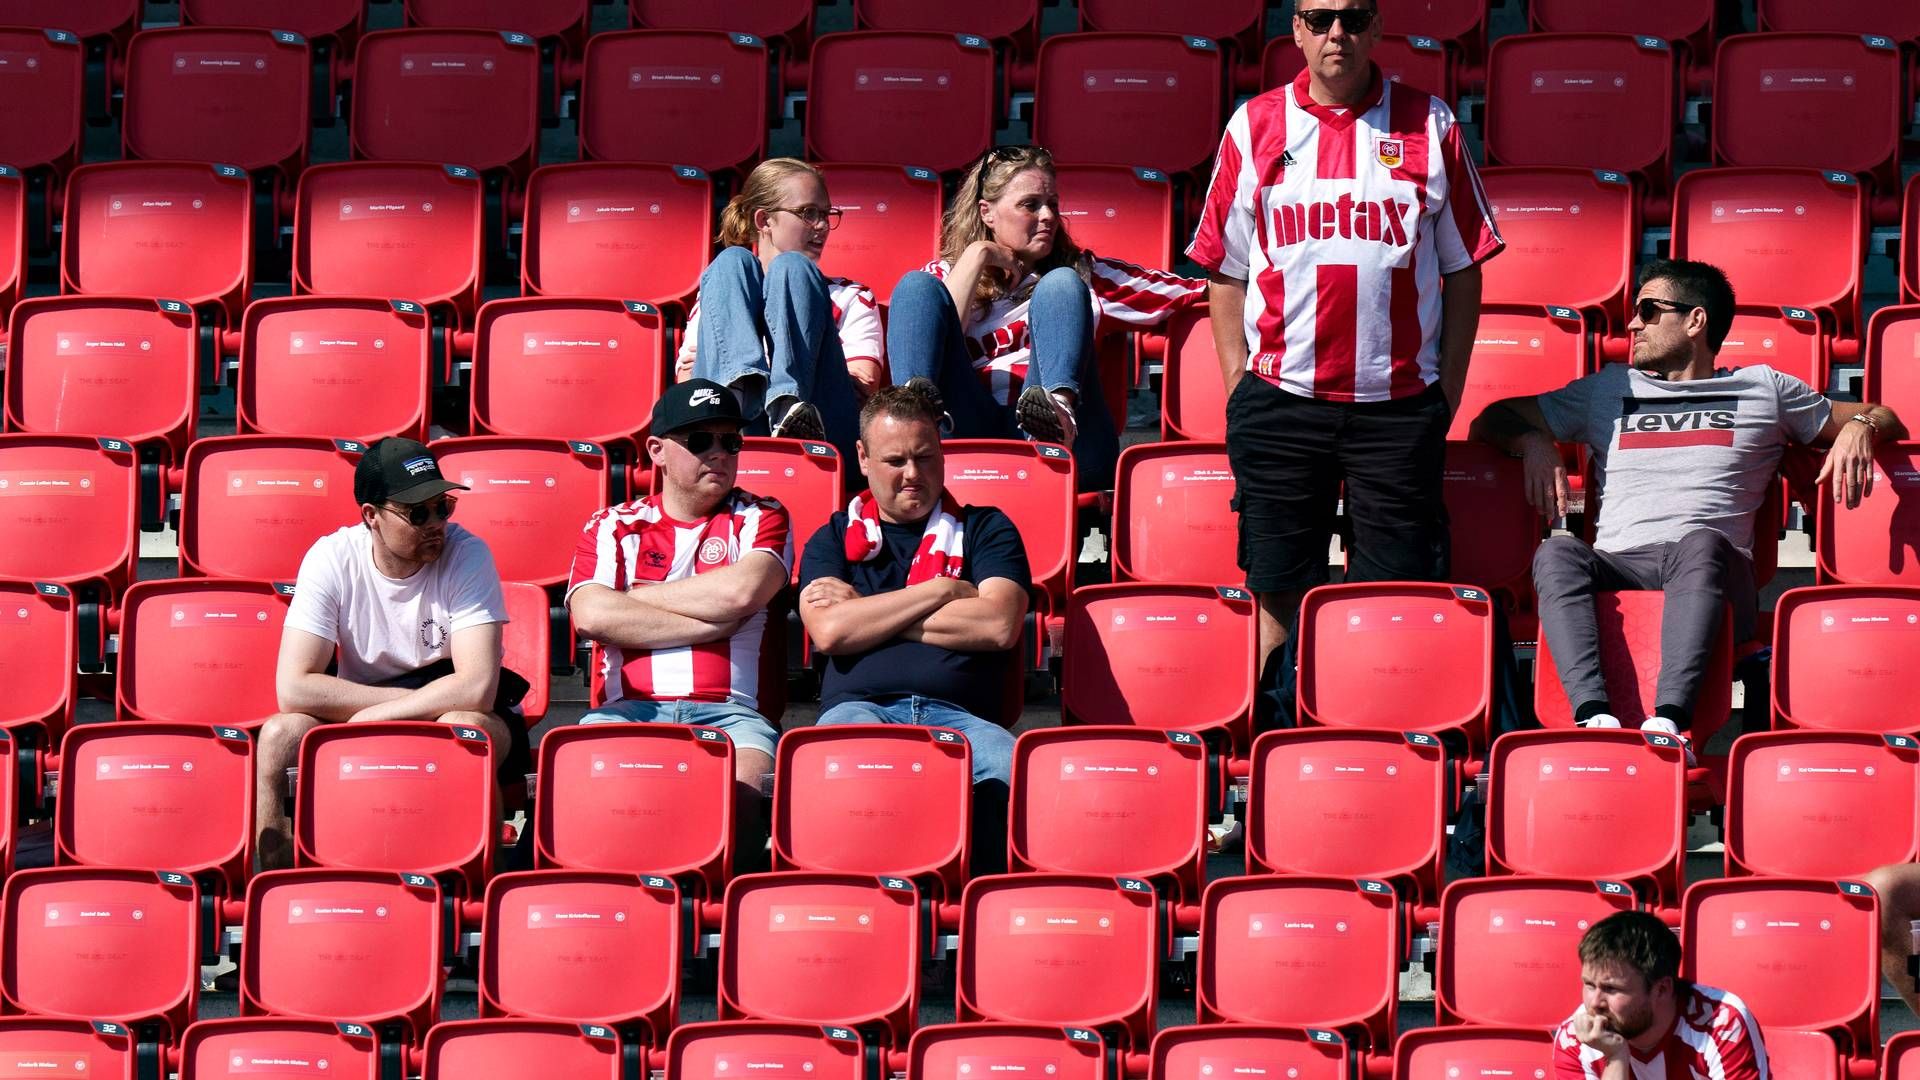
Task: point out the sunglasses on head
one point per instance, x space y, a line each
417 514
1352 20
1000 155
1652 307
699 442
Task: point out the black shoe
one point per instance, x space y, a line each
922 385
797 420
1043 417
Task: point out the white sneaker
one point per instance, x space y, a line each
1601 720
1664 726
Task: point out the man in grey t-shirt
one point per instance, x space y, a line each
1684 458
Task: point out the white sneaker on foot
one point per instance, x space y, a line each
1662 725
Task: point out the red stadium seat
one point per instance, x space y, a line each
1014 21
211 1049
889 224
233 95
1688 22
732 1048
529 499
1130 99
955 1050
37 662
1471 1052
565 21
1520 350
1893 357
568 369
790 21
89 19
1318 952
67 513
1571 236
1809 1054
1599 101
1193 397
1221 20
38 1046
1198 1052
1367 650
159 796
409 230
1422 63
781 931
1119 211
87 944
121 366
1112 800
1591 803
1033 484
1877 542
875 95
1869 633
172 631
1890 17
1462 24
694 96
1630 660
508 1049
1166 657
252 505
45 74
1786 339
173 229
354 367
401 796
638 798
806 477
1814 100
1786 237
1902 1056
1316 799
1060 949
13 238
322 944
584 947
1766 938
638 232
1821 803
875 799
1172 515
1509 948
1910 243
1495 530
333 25
470 96
526 645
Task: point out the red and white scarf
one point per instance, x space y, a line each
943 545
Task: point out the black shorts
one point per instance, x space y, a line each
1291 455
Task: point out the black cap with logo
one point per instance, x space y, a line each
399 470
696 401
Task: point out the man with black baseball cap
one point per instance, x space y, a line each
411 606
675 587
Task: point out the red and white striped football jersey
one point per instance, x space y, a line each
637 542
1714 1037
1342 221
855 313
1123 295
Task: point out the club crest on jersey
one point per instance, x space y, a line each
1391 152
713 550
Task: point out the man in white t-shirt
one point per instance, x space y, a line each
396 618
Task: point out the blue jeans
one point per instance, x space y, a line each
991 745
925 338
777 326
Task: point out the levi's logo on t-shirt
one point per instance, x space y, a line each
1384 220
1692 421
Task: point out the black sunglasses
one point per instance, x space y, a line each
1352 20
999 155
417 514
1651 307
699 442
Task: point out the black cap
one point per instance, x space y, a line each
695 401
399 470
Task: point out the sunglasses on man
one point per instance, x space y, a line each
1352 20
1652 307
418 514
699 442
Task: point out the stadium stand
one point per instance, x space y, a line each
70 516
210 1049
464 95
1820 803
959 1049
1874 627
79 365
1509 947
1130 99
1598 101
332 25
589 224
28 1042
836 1053
564 21
251 505
1194 1052
49 67
1162 656
1570 233
1482 1051
407 230
1814 100
171 631
234 95
325 366
693 96
876 95
500 1049
788 20
563 368
1172 515
178 230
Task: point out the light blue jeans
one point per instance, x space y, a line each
746 729
991 745
776 325
924 338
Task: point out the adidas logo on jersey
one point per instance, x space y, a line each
1384 221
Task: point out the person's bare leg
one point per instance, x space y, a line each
1899 889
751 769
276 751
1278 611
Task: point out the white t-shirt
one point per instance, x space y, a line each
386 627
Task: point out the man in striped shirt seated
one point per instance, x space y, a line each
1639 1020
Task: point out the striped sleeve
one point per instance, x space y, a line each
1223 240
861 337
1138 296
1466 234
763 527
596 558
1572 1061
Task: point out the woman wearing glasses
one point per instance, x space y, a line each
1004 321
799 347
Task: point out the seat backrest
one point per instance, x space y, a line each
875 95
566 20
529 498
38 1046
334 24
1809 1054
82 943
1173 518
1878 541
38 653
1601 101
1571 235
1509 948
791 20
1520 350
252 505
354 367
1119 211
1589 803
13 237
1890 17
1472 1052
1788 237
638 232
1821 804
201 651
1893 351
889 223
1130 99
1786 339
1198 1052
546 927
504 1049
1629 625
1813 100
1495 529
1867 632
401 229
1316 800
874 799
1675 20
1220 20
1910 243
1317 952
67 510
526 645
996 19
1060 949
1368 650
231 94
1193 401
693 96
218 1049
174 229
1901 1058
44 129
1421 62
1167 657
805 477
1765 938
88 18
464 95
732 1047
568 369
88 365
780 931
952 1050
1032 483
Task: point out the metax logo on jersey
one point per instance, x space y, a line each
1384 221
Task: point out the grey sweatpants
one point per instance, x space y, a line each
1698 572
